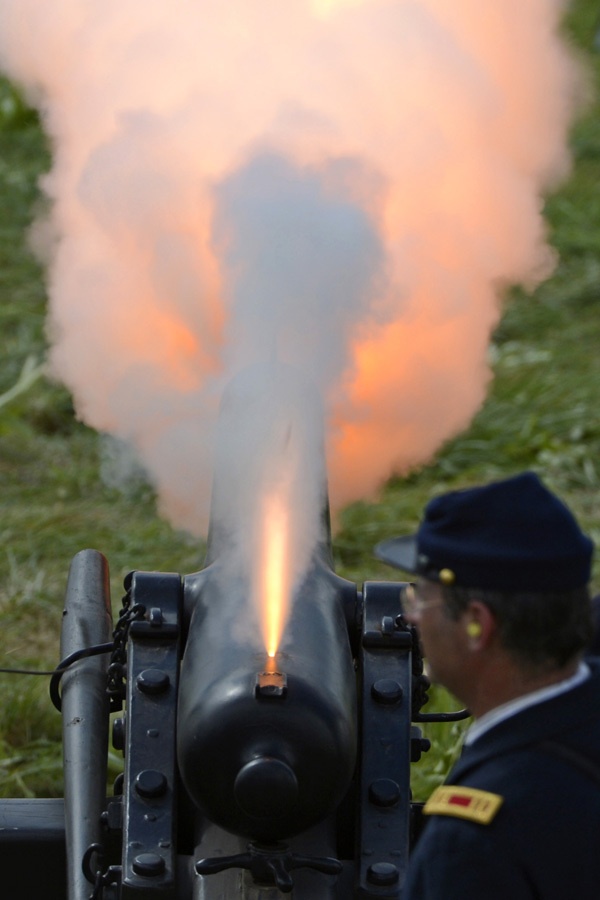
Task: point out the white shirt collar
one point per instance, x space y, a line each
506 710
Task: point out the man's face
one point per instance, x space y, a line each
441 636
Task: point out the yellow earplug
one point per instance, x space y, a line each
447 576
474 629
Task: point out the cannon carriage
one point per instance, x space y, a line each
243 778
250 772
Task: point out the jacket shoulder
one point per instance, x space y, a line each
462 802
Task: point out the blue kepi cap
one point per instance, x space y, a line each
509 535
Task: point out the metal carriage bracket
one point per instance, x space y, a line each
388 742
149 848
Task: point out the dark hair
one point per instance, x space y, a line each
541 630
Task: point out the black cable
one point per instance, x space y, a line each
57 673
26 672
457 716
64 664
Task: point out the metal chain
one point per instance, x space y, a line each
117 669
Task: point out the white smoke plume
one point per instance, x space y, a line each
346 186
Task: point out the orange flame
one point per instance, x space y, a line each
271 665
274 572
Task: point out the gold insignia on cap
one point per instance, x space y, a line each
447 576
464 803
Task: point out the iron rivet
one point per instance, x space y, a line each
153 681
382 873
148 864
384 792
386 690
151 783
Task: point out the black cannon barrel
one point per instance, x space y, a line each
267 749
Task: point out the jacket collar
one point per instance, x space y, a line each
550 719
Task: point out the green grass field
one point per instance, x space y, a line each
542 413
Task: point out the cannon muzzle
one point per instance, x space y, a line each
267 747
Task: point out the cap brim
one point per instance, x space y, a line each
399 552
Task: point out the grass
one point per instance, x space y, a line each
542 413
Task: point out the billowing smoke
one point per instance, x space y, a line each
344 186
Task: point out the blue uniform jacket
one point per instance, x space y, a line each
544 841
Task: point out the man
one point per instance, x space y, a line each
502 607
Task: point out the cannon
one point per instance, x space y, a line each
247 774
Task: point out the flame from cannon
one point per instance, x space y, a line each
274 571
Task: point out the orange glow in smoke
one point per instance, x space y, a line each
179 349
273 574
438 123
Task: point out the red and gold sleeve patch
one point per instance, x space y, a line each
463 802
